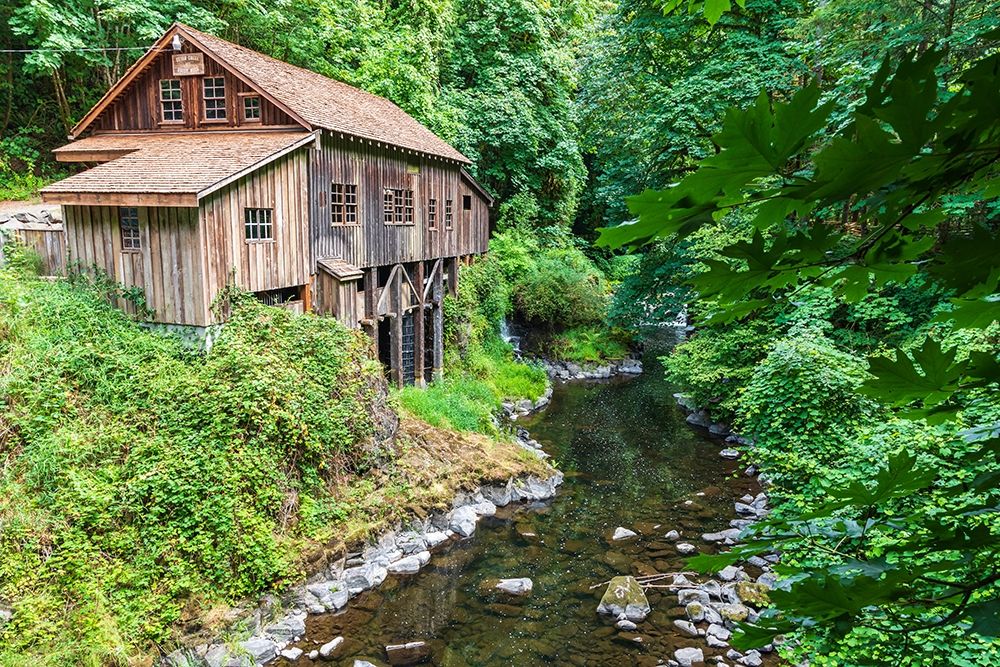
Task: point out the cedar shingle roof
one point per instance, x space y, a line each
187 163
326 103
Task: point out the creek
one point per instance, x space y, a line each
630 460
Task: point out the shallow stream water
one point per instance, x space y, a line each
630 460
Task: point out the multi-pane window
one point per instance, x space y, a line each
397 206
171 105
344 203
128 219
215 97
448 218
432 214
257 224
251 108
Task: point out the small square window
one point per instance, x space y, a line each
466 202
215 97
171 106
128 219
397 206
257 224
343 203
251 108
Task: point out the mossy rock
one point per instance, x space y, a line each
754 593
624 596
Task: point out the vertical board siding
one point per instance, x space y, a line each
257 266
374 243
166 268
138 106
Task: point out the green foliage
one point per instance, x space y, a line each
137 475
801 405
589 344
561 288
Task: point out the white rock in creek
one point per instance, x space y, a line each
687 595
485 508
686 657
728 573
409 653
329 650
408 565
292 654
695 611
751 659
626 625
672 536
364 663
686 549
719 631
463 521
715 642
730 454
313 655
288 628
623 534
520 586
624 596
424 557
435 537
686 627
729 536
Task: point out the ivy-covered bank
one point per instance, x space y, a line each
144 489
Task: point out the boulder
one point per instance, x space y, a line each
752 592
733 612
623 534
288 628
699 418
686 595
409 653
686 657
463 520
695 611
719 429
728 573
686 549
329 650
411 542
686 627
720 631
624 596
519 587
332 595
434 538
500 496
408 565
260 649
292 654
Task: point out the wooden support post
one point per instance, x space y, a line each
453 276
396 331
437 296
371 299
418 327
307 302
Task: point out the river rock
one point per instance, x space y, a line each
623 534
733 612
686 627
728 536
363 577
719 631
501 496
715 642
699 418
331 594
408 565
624 596
686 595
767 579
330 650
260 649
695 611
672 536
519 587
685 548
751 659
463 520
754 593
435 537
364 663
411 542
288 628
728 573
730 454
409 653
626 625
292 654
719 429
686 657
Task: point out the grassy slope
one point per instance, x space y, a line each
141 486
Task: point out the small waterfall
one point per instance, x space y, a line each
509 338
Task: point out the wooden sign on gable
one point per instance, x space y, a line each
189 64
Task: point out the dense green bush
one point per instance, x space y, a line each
561 289
135 474
801 404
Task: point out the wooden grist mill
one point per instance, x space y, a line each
214 164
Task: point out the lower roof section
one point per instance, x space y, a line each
165 169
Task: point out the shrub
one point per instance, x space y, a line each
561 289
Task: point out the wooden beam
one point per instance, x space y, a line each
185 200
418 329
396 332
96 155
453 276
370 314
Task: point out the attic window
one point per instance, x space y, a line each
171 106
215 97
397 206
258 224
343 204
251 108
128 220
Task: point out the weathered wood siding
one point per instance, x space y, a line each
258 266
341 299
374 243
138 107
168 267
47 241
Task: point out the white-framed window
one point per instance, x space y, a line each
214 88
449 218
258 224
251 108
171 104
128 221
397 206
343 203
432 214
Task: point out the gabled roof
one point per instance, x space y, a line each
182 166
310 98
